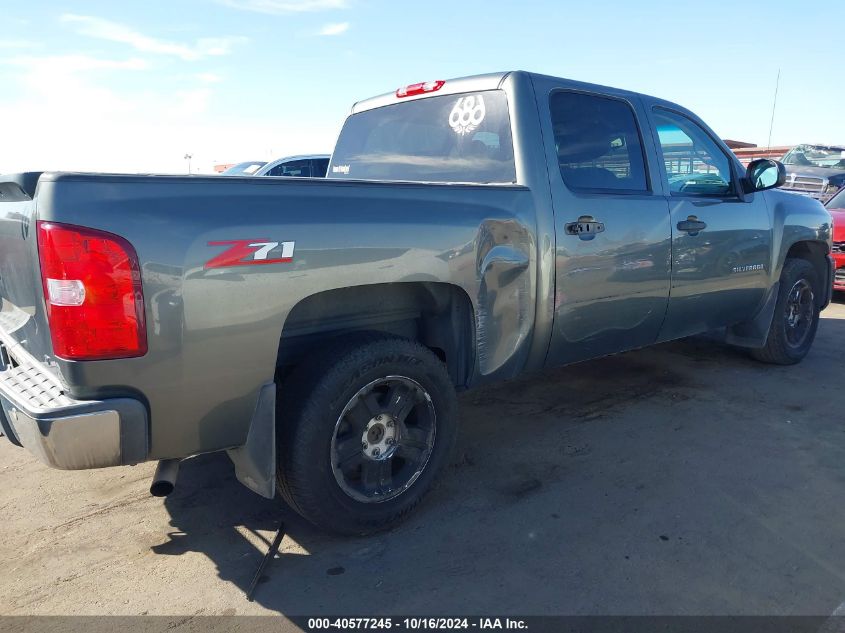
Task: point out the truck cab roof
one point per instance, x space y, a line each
493 81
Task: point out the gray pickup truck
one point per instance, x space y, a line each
318 329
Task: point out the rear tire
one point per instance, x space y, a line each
365 428
796 316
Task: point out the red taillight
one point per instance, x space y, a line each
92 288
421 88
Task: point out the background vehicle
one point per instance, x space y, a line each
309 166
318 329
836 207
815 170
247 168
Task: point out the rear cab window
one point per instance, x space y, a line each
448 138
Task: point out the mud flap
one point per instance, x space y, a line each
255 461
830 269
754 333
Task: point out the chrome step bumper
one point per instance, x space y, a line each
62 432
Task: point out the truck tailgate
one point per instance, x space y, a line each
22 319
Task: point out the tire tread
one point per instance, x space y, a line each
305 399
777 351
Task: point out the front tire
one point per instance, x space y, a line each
796 317
365 429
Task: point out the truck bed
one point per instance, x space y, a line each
216 330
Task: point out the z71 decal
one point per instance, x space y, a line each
251 252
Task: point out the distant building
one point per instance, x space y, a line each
746 152
738 144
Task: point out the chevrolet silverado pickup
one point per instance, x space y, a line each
318 329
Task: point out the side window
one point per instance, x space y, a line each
695 164
319 167
293 168
598 143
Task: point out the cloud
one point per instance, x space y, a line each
61 65
114 32
285 6
100 112
335 29
18 44
71 117
190 103
208 78
67 86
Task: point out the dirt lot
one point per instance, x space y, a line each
683 479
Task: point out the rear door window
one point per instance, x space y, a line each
598 143
449 138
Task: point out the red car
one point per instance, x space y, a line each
836 206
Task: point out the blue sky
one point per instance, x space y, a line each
134 86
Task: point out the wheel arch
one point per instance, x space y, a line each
439 315
754 333
816 252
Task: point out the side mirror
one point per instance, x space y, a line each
764 173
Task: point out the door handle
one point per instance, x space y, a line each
585 228
692 225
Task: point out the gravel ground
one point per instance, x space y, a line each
680 479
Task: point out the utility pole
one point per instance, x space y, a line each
188 158
774 105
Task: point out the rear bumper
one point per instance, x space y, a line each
62 432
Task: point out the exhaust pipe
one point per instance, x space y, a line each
164 479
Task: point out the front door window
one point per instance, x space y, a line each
694 164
